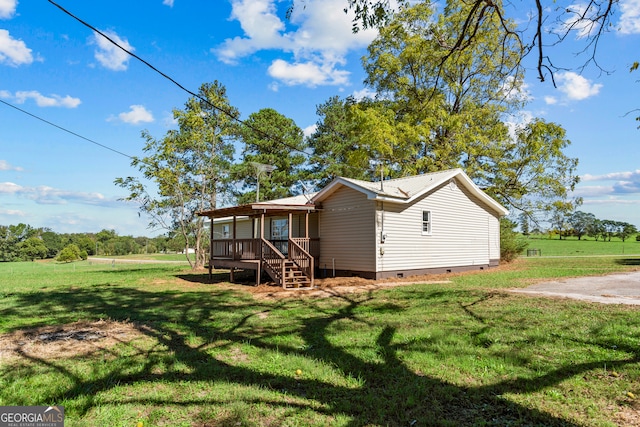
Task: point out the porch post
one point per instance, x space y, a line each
290 224
210 247
290 236
259 270
233 247
308 247
253 227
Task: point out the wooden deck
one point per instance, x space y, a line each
290 263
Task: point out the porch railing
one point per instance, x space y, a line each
311 245
299 250
244 249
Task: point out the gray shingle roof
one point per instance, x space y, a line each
404 188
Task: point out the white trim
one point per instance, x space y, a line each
440 178
429 223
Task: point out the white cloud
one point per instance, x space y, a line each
625 183
550 100
309 73
109 55
613 176
629 17
168 3
46 195
7 8
9 188
12 212
137 114
581 19
576 87
309 130
261 27
611 201
516 93
318 45
518 121
5 166
52 100
274 86
359 95
13 52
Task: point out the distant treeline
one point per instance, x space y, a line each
25 243
581 224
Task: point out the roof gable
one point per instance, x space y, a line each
408 189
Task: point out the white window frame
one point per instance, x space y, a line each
226 234
428 223
280 229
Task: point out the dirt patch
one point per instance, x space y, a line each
64 341
338 286
629 414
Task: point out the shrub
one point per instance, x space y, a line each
69 253
511 243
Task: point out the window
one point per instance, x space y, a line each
426 222
225 231
280 234
280 229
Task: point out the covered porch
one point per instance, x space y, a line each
269 237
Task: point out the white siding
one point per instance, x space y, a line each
298 226
460 232
243 229
348 231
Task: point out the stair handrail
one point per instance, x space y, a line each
302 259
273 260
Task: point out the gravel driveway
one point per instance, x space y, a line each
623 288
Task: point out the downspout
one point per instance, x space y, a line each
382 238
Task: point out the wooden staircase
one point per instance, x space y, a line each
285 271
294 277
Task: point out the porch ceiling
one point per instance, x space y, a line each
256 209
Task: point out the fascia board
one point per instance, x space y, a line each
465 180
334 185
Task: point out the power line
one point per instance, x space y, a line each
206 101
67 130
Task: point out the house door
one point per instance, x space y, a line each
280 234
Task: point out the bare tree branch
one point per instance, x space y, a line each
588 22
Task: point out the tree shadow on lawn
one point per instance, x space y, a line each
390 393
242 277
628 261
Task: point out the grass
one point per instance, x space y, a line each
146 257
462 353
587 246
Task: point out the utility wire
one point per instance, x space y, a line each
67 130
206 101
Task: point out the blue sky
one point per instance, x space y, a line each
57 69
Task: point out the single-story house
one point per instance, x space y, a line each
431 223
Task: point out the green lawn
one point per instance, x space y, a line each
461 353
587 246
154 257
